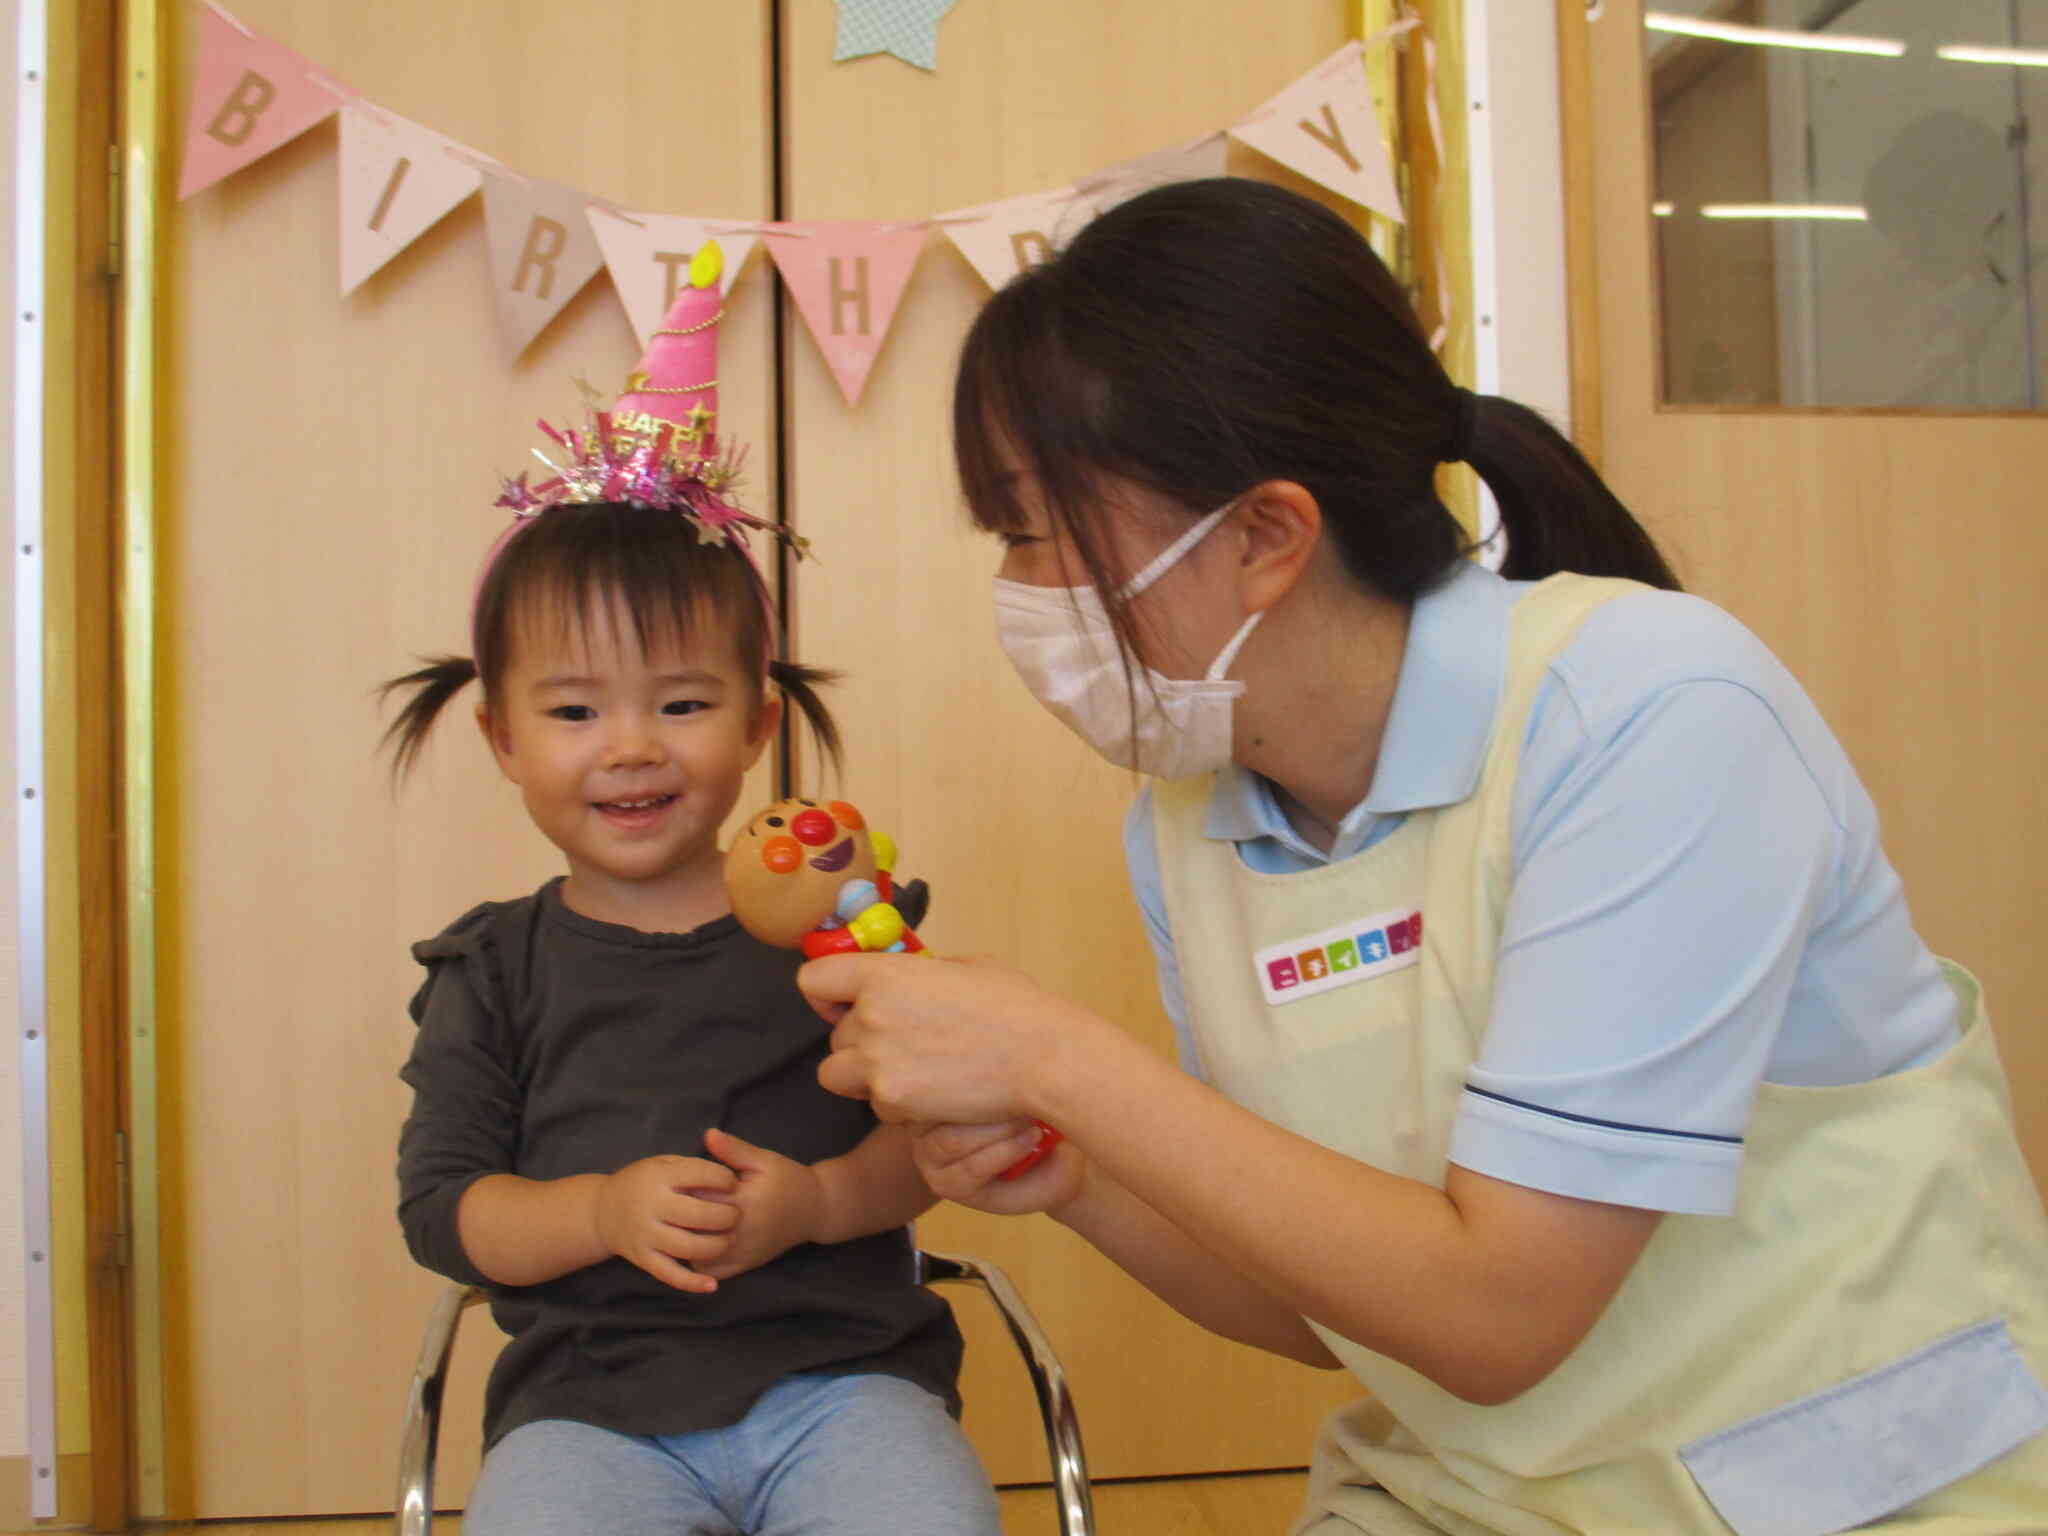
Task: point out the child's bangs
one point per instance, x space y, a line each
625 573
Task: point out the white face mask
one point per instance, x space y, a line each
1062 643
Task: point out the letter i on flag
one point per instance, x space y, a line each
1324 126
397 181
847 280
250 96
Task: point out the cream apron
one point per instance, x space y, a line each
1864 1334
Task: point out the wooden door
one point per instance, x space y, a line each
1015 822
1893 560
326 499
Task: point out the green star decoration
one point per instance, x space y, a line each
907 28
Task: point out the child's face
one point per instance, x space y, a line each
628 761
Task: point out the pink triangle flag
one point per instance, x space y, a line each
648 256
1000 240
397 181
1195 160
1324 126
249 96
542 251
847 280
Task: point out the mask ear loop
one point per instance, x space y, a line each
1172 555
1219 669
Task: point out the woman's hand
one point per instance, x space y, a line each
927 1040
967 1163
669 1216
776 1205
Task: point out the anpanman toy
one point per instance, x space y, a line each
813 876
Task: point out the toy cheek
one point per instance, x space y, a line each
782 854
847 816
813 827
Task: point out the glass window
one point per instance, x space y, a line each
1846 201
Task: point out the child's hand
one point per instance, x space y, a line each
670 1216
966 1164
776 1205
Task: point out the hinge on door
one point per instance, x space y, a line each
116 214
124 1231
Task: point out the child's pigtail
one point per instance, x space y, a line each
800 685
432 687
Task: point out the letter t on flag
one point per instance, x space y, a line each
249 97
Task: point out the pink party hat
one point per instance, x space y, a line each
677 381
658 446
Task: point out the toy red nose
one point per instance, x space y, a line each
813 827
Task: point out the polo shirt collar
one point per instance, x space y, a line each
1437 731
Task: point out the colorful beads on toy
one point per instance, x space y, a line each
878 927
782 854
885 851
847 816
855 897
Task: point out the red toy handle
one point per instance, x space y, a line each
1048 1138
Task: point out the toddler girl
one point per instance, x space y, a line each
700 1255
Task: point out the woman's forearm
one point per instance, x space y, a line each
1186 1276
1481 1286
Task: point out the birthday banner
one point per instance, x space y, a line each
546 240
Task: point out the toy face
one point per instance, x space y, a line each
784 869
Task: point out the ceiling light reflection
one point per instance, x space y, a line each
1773 37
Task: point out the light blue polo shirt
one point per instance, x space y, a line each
1700 901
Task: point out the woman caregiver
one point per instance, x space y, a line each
1560 1055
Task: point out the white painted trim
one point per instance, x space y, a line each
32 1020
1485 244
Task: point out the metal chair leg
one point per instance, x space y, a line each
415 1516
1055 1404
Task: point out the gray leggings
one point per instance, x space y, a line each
816 1456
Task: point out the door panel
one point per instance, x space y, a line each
1014 822
1892 560
330 470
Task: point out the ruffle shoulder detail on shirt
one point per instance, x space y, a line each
470 948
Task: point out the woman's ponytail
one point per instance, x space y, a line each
1558 513
432 685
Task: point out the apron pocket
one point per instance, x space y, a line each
1876 1442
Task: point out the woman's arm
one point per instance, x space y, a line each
1482 1286
966 1163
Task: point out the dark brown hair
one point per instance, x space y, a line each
572 561
1210 335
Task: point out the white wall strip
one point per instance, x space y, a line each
1485 243
32 1026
